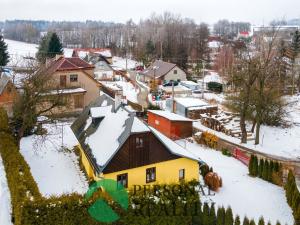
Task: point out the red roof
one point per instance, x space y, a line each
244 32
73 63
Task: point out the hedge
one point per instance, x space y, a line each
293 196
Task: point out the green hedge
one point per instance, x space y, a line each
268 170
293 196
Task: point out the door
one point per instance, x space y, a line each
63 80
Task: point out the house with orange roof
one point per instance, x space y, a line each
74 80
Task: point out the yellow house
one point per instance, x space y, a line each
115 144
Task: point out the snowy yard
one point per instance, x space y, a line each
278 141
246 195
5 205
55 169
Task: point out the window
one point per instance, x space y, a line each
175 71
73 78
139 142
181 174
150 175
122 179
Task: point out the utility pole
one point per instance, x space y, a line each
160 50
173 99
203 67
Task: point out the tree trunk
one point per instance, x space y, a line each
243 127
253 126
257 133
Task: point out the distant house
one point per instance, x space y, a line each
163 72
190 107
75 81
8 93
103 70
115 144
243 34
86 53
170 124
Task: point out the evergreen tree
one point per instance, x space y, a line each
212 215
205 214
246 221
276 167
261 221
250 167
255 166
4 57
277 223
49 46
237 221
265 170
252 222
221 216
54 46
295 45
261 167
228 217
270 171
150 49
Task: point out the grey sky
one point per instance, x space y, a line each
255 11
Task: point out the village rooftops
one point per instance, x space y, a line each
159 68
103 128
169 115
83 52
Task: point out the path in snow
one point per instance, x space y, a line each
56 171
5 204
246 195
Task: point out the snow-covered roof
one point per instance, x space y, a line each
214 44
173 146
104 137
188 82
190 102
169 115
212 77
66 91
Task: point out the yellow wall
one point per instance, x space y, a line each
166 172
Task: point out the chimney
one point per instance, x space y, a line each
118 100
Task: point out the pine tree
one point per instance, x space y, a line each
270 171
252 222
221 216
246 221
205 213
228 217
261 167
265 170
278 223
261 221
276 167
49 46
4 57
237 221
54 46
250 167
212 215
255 166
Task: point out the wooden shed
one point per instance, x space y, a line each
170 124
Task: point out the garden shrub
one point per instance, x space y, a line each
209 139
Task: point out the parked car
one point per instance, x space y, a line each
167 84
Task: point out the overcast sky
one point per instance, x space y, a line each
255 11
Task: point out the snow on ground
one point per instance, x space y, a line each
119 63
55 170
17 50
277 141
246 195
5 204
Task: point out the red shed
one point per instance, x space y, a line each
170 124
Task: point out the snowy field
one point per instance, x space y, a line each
119 63
246 195
55 169
17 50
5 205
